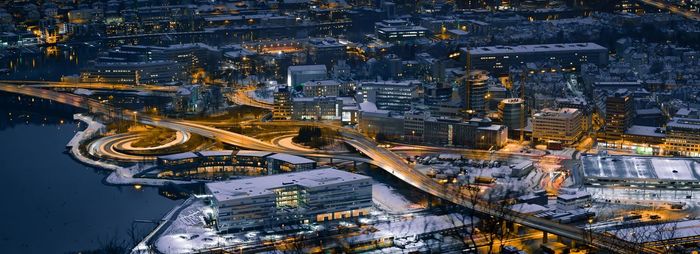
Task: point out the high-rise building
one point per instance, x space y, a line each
619 110
292 198
475 91
282 109
564 125
512 113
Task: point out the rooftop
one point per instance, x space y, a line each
535 48
633 167
264 185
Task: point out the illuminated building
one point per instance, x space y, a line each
564 125
398 30
283 104
477 133
293 198
321 88
316 108
475 88
683 133
619 109
499 59
512 113
299 74
390 95
640 172
207 164
153 73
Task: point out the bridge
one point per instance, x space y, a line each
380 157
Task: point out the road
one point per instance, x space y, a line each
95 86
240 97
380 157
672 8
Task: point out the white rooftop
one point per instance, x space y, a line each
535 48
258 186
290 158
632 167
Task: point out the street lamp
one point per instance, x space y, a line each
135 112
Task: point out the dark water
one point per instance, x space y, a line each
47 63
53 204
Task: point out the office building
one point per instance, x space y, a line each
299 74
293 198
316 108
398 30
321 88
210 164
683 133
563 125
619 109
479 133
499 59
282 109
161 72
390 95
512 113
475 88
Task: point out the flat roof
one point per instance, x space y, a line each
179 156
636 167
317 67
647 131
290 158
535 48
252 153
258 186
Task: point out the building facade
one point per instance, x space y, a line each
390 95
499 59
294 198
209 164
564 125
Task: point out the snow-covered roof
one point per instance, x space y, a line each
290 158
633 167
264 185
535 48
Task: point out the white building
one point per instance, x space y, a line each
300 197
570 199
564 125
299 74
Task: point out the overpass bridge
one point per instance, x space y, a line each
380 157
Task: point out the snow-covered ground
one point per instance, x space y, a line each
260 96
187 233
391 201
120 175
